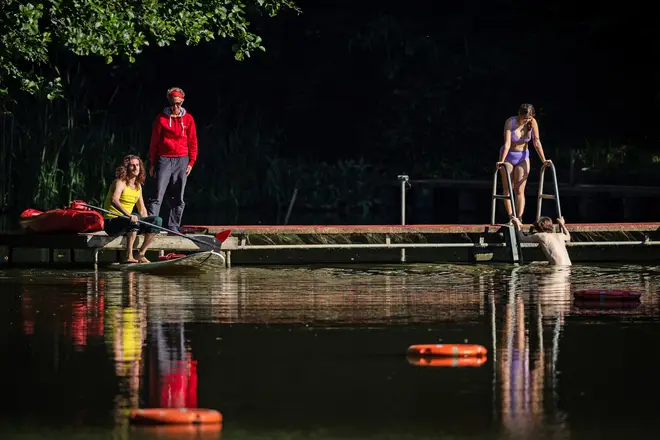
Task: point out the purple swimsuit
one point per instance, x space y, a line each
515 158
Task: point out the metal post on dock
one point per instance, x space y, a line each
405 184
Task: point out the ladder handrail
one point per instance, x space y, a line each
511 235
542 196
502 196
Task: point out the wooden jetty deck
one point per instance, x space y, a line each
328 244
325 244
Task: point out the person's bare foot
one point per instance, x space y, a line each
130 260
143 259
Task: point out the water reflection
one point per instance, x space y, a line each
320 296
78 316
125 336
173 371
127 340
526 376
151 354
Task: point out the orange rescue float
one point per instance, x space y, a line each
175 416
179 432
448 361
466 350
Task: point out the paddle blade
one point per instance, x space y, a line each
222 235
206 243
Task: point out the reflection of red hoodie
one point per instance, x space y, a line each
178 386
173 136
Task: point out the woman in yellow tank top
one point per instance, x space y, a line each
124 195
128 199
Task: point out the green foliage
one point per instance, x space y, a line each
116 28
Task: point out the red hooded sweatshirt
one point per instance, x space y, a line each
173 136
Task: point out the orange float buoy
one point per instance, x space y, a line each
180 432
448 361
175 416
467 350
607 295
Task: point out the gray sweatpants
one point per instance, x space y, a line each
170 186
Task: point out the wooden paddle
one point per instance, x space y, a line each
210 243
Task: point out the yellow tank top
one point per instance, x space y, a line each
128 199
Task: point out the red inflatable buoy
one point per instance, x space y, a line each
606 295
613 304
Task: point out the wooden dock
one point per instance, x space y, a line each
329 244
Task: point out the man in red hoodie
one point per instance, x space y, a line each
173 151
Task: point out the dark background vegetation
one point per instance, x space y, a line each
349 95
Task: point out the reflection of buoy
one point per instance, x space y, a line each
607 294
181 432
447 350
448 361
175 416
607 305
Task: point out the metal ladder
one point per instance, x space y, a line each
512 238
542 196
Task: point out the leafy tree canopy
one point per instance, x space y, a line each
114 28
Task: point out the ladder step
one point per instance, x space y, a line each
547 196
499 196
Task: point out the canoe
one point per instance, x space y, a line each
199 262
73 219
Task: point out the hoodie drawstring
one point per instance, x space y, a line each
168 112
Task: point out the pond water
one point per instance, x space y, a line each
320 352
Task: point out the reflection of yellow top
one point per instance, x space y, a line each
125 325
132 338
128 199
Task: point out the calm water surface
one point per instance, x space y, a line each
320 353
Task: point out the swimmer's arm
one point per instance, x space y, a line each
507 139
526 238
521 235
536 138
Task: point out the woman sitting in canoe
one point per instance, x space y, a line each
124 195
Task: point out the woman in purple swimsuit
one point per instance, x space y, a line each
514 154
